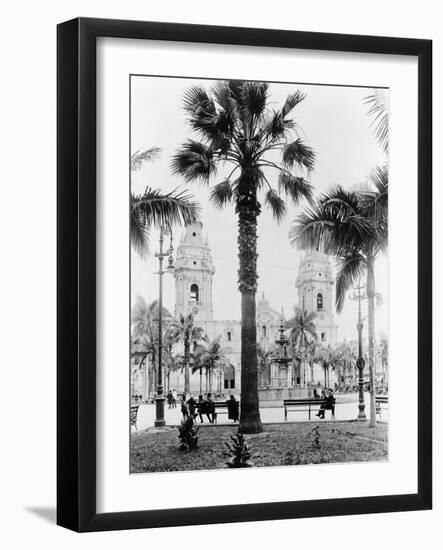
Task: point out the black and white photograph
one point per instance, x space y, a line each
259 287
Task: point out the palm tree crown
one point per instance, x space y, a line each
236 127
302 327
350 225
155 208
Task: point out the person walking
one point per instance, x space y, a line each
169 398
210 413
184 408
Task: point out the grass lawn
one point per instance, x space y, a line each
278 445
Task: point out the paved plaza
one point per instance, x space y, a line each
346 408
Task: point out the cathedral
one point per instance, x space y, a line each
194 274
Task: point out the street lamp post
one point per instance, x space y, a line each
358 297
160 398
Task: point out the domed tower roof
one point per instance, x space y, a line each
193 251
315 266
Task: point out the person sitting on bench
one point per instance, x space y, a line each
329 405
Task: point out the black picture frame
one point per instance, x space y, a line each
76 280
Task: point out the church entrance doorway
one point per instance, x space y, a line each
229 378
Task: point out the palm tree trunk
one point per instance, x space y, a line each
248 209
370 292
186 357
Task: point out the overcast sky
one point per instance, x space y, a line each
334 123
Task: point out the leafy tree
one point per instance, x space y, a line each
353 227
188 333
263 364
345 358
144 330
302 334
302 328
237 128
154 208
210 359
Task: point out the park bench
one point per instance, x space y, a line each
381 402
134 415
221 407
305 404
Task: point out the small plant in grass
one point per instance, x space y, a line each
316 433
339 432
187 433
238 452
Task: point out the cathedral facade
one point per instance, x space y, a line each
194 273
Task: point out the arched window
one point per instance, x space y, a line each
263 331
229 336
194 293
319 301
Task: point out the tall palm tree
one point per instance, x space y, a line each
189 334
237 128
263 365
303 333
345 357
384 353
302 326
154 208
310 356
353 227
211 359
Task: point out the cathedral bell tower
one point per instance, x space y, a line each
315 284
193 275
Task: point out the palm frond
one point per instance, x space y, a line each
197 101
332 226
276 127
311 230
139 157
194 161
298 154
276 204
291 102
254 97
379 114
350 269
296 188
139 232
155 208
221 194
